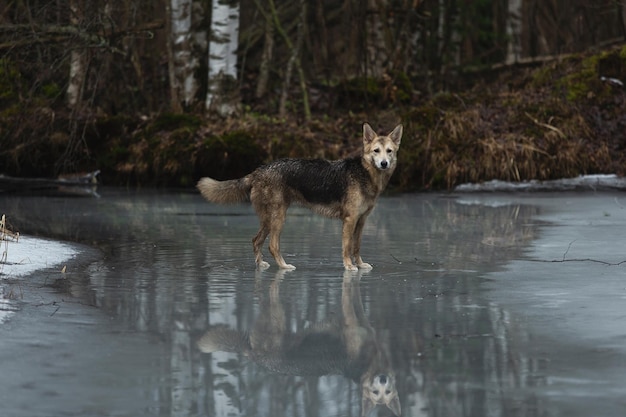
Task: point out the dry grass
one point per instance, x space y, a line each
513 138
6 235
5 232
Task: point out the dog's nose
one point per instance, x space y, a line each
383 164
382 379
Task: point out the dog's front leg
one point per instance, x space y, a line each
347 238
356 243
277 221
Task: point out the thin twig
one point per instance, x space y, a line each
568 247
395 259
55 311
579 260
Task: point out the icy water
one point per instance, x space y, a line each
478 305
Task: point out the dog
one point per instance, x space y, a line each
345 345
346 189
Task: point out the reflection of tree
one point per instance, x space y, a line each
468 236
173 266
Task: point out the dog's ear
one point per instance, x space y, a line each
394 406
396 135
367 405
368 133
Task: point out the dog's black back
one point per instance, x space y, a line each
318 180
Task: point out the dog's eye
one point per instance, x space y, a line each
376 150
376 392
389 151
387 392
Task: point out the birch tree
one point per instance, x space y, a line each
78 60
513 31
377 57
182 63
222 89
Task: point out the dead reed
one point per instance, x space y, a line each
6 235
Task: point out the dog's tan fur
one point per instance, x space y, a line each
346 189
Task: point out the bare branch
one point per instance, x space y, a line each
37 34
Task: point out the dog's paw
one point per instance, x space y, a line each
263 265
351 267
365 266
288 267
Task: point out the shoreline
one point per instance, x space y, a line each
25 262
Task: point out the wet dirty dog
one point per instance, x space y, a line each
346 189
344 345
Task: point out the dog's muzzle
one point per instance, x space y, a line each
384 164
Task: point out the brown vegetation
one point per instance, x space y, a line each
558 120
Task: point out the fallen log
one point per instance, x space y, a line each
75 184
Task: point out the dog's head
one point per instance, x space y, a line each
381 151
379 390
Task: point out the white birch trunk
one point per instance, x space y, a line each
222 96
377 56
184 63
77 78
78 61
513 31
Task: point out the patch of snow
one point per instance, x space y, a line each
25 256
600 182
29 254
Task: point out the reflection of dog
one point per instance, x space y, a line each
345 189
345 346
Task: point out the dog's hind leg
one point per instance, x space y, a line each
277 221
265 217
257 245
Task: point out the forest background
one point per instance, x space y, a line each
163 92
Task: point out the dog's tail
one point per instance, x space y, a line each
225 192
221 338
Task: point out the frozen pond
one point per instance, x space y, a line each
478 305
